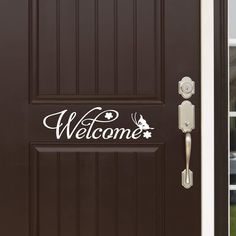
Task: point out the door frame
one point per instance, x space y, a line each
221 118
207 115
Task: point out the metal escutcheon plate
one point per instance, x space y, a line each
186 116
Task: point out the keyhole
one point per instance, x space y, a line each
187 88
187 123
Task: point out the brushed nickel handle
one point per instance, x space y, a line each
187 174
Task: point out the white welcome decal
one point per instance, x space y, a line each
91 125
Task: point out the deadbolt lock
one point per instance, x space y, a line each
186 87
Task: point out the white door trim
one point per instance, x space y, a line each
207 115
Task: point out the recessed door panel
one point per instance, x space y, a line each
81 190
83 50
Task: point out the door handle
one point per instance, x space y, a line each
187 124
187 174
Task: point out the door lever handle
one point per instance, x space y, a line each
187 174
187 124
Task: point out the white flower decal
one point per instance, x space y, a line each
108 115
147 134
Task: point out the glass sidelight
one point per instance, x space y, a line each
232 54
232 116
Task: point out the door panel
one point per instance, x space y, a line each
87 42
88 190
118 61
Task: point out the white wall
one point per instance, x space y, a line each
207 116
232 19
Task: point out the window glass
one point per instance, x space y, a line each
232 55
233 150
232 116
232 213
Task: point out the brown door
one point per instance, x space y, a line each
90 143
